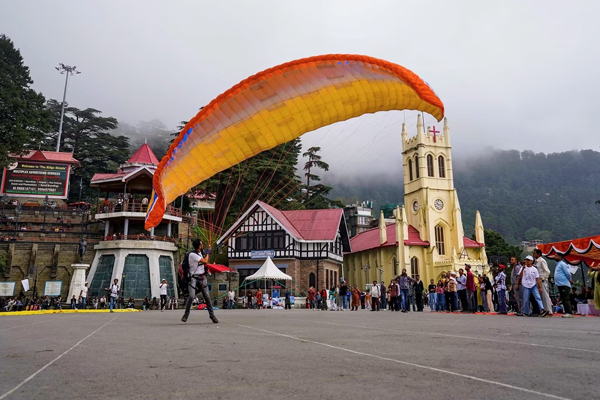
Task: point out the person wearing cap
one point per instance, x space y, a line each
163 294
83 295
542 266
530 279
500 283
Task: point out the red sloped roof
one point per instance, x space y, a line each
316 224
308 224
58 156
143 155
101 177
470 243
370 239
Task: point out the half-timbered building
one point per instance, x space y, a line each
308 245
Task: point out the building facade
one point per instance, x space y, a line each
359 217
308 245
427 235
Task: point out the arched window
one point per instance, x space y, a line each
414 267
442 167
417 166
312 280
395 264
410 175
429 165
439 240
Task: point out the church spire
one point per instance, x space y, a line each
420 132
479 232
446 132
404 133
382 229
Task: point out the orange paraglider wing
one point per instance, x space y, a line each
278 105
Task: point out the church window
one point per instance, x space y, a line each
442 166
395 263
439 240
414 267
417 166
312 280
429 165
410 174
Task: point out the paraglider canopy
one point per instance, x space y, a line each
278 105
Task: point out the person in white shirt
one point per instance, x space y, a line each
114 292
529 278
375 296
198 282
163 294
83 295
542 266
231 298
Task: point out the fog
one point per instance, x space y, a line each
512 74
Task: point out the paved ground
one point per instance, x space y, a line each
298 354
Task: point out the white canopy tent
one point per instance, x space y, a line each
269 271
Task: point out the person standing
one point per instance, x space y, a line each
163 294
404 282
500 282
288 299
114 292
530 279
197 260
594 273
393 290
452 292
344 295
461 289
542 267
562 280
514 276
383 298
355 298
471 290
259 299
440 297
419 288
311 297
431 289
332 299
375 296
83 294
230 299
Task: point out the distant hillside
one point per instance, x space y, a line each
521 195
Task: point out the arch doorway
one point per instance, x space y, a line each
312 280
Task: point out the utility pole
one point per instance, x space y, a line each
66 70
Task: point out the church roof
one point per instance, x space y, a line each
143 155
470 243
370 239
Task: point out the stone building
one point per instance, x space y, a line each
427 235
308 245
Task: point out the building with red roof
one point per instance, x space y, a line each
427 237
308 245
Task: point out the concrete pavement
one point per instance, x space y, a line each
298 354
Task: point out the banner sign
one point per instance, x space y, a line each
262 253
53 288
35 179
7 289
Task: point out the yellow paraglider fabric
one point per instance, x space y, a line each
278 105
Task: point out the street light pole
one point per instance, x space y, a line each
67 70
45 209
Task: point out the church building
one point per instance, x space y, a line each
427 235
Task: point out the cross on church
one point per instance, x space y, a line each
434 134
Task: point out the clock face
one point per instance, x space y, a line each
415 206
438 204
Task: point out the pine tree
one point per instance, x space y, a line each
23 118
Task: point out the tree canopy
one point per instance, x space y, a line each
23 118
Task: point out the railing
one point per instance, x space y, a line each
128 206
138 237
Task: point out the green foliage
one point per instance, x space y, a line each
23 118
497 249
515 192
87 134
315 196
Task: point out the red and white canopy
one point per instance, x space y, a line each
575 251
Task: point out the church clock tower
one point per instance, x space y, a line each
431 202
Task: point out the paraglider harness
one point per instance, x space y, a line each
184 277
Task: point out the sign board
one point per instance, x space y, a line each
274 293
262 253
7 289
53 288
36 179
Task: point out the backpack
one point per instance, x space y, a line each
183 276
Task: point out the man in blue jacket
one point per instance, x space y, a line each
562 280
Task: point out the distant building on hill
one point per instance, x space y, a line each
359 217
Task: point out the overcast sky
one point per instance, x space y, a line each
512 74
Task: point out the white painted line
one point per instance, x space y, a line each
34 323
458 337
5 395
443 371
